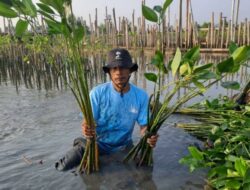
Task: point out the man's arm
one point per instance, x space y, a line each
151 140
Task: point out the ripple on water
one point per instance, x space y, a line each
42 127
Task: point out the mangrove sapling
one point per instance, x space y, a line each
227 157
72 32
186 74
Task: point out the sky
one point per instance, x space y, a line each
202 9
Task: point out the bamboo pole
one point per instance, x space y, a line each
115 28
163 37
126 34
143 27
187 23
119 32
244 32
248 33
178 44
228 33
239 34
168 28
96 23
219 30
212 31
237 12
222 32
232 21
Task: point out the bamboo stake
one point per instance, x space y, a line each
126 34
212 31
244 32
115 27
222 32
239 34
232 21
248 33
237 12
179 38
187 23
228 33
96 23
143 27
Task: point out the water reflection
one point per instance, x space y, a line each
45 75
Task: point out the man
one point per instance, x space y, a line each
117 106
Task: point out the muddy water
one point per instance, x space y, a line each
38 126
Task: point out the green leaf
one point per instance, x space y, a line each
78 34
246 186
166 5
149 14
230 85
176 62
199 85
226 66
206 75
56 4
30 8
241 54
6 11
247 176
184 68
45 8
233 184
232 47
46 15
158 58
158 8
195 153
241 166
21 27
200 68
151 77
192 54
54 27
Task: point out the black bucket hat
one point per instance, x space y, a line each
119 57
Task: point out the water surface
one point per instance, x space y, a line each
38 126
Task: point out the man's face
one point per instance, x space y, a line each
119 76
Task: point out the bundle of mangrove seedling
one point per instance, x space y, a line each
60 20
186 74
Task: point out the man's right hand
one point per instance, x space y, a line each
87 131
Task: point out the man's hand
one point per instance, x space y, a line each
151 140
87 131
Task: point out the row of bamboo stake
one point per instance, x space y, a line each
127 34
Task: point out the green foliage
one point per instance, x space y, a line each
226 156
21 27
30 8
176 62
157 13
72 33
151 77
6 11
231 85
149 14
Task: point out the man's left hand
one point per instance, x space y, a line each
152 140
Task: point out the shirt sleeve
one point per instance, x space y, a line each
143 113
94 103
